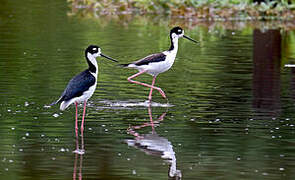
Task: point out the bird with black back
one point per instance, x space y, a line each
82 86
155 64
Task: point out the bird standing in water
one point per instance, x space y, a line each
155 64
82 86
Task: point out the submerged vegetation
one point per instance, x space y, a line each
212 10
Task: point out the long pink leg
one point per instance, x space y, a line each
151 91
76 123
151 118
82 124
144 84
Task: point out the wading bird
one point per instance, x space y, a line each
82 86
155 64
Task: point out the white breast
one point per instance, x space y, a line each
160 67
85 96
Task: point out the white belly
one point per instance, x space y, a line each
85 96
159 67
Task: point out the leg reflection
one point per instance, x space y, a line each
78 153
153 144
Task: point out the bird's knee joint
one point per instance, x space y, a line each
129 79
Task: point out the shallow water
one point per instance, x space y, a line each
229 116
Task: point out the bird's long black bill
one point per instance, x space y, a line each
107 57
190 39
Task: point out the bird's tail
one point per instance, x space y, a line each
57 101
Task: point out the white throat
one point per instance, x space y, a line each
93 61
175 44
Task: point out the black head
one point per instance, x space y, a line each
178 31
93 50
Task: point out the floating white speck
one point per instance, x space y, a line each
20 150
27 134
62 150
119 154
133 171
238 158
26 104
46 106
128 159
53 158
55 115
12 128
42 135
10 161
282 169
8 110
106 130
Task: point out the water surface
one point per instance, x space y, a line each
230 112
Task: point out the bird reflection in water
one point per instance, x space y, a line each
76 159
153 144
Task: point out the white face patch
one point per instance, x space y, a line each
174 35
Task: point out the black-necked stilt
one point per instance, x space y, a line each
82 86
157 63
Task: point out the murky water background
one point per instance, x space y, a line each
230 113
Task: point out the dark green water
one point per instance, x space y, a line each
230 113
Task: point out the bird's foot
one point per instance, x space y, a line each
79 151
162 93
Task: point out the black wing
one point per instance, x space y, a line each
77 86
151 59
